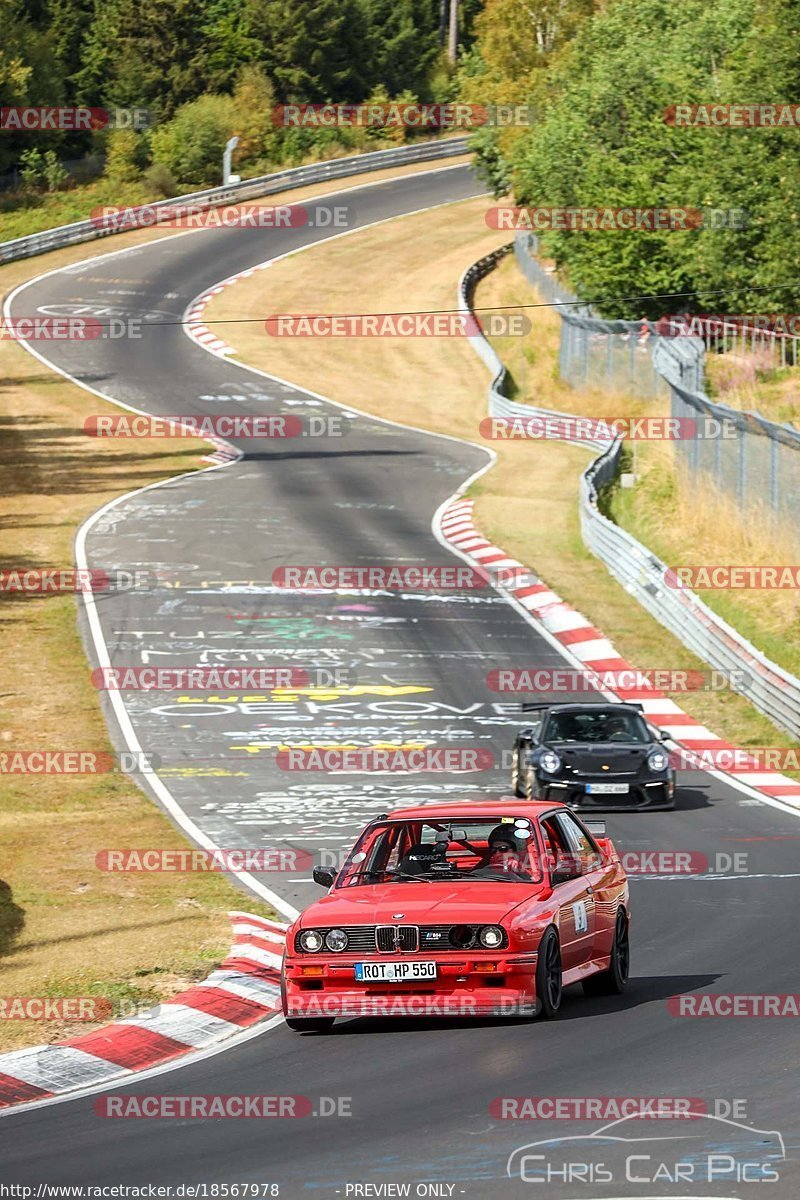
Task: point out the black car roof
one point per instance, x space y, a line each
584 706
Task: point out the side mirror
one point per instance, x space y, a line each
324 876
664 736
567 867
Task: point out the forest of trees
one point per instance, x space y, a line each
599 79
208 70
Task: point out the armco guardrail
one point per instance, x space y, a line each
249 189
774 691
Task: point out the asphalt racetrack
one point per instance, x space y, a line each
412 1100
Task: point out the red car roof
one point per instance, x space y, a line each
472 807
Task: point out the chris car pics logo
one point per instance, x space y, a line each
705 1150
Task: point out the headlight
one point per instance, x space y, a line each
336 940
550 762
311 941
491 936
657 760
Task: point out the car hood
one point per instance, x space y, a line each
598 757
420 903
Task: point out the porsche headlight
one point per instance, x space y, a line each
491 936
336 940
657 760
550 762
311 941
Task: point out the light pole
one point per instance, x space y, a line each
452 45
230 146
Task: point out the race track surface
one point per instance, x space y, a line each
419 1092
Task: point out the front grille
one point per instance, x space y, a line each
423 939
393 939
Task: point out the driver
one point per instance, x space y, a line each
616 729
505 854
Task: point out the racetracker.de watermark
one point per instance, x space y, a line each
202 679
546 681
374 760
713 325
612 1108
49 119
729 1004
68 329
75 762
55 1008
398 325
206 1107
630 219
413 578
401 115
221 425
54 581
111 217
181 861
733 578
733 116
607 429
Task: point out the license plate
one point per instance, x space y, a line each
607 789
393 972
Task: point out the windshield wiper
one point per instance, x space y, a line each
406 875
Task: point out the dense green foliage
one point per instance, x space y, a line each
206 71
600 90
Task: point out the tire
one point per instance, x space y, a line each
614 980
516 786
310 1024
549 986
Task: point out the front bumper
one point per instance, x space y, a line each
471 985
643 794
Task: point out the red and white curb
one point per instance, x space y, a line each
195 324
245 989
224 452
594 652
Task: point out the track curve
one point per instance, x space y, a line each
420 1092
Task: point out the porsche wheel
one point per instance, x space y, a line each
310 1024
614 980
549 986
516 780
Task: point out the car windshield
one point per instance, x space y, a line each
499 849
600 725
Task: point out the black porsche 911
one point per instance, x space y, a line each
592 756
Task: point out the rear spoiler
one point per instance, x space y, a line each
537 707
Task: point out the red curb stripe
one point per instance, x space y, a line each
217 1003
248 967
533 589
587 633
129 1046
14 1091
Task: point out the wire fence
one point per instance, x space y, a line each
747 457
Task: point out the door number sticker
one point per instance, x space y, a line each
579 916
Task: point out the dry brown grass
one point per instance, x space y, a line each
527 504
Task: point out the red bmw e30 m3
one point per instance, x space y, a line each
469 908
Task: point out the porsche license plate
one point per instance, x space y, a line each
608 789
393 972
